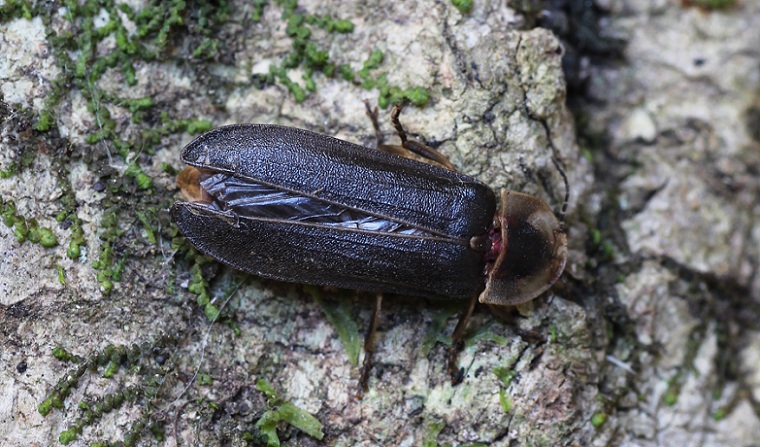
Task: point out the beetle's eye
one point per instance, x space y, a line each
480 243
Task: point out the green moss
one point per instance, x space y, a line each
67 436
142 179
26 229
268 390
197 126
200 287
45 120
108 265
15 9
211 312
504 374
434 429
282 411
347 73
204 379
258 9
198 284
111 369
9 171
158 431
45 407
47 238
339 315
464 6
418 96
206 50
135 358
390 94
598 419
670 397
485 333
714 4
316 59
21 231
505 400
341 26
374 60
8 211
74 251
436 331
596 236
61 274
147 227
63 355
79 55
308 55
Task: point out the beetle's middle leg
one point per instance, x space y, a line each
369 346
457 341
407 145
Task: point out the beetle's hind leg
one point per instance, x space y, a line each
407 145
457 341
369 346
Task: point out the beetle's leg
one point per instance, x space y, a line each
457 341
423 150
369 346
407 145
372 114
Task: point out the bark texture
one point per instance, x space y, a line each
650 340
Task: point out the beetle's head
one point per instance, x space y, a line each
528 251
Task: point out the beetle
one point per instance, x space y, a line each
293 205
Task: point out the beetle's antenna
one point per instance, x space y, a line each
557 165
563 210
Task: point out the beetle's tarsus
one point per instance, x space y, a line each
455 371
457 341
457 376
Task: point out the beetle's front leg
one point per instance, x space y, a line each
421 149
369 346
457 341
408 147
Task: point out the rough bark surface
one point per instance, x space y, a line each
651 340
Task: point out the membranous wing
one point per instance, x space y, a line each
251 200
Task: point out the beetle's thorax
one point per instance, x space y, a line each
528 250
